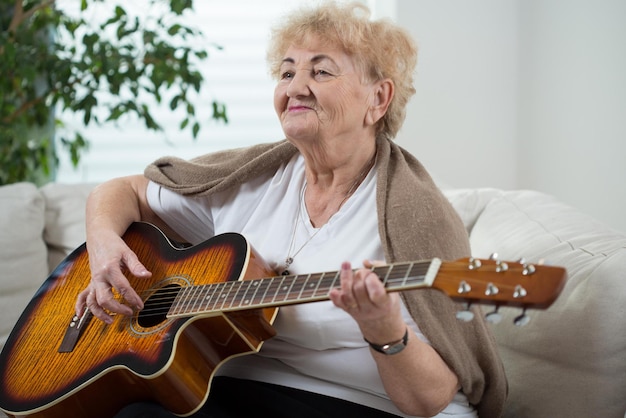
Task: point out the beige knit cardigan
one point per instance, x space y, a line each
416 222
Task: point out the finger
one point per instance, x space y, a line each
81 302
105 299
95 308
373 263
347 280
111 277
374 286
137 269
342 296
359 289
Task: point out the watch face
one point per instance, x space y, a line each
393 349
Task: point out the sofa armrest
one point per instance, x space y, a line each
22 251
570 360
64 228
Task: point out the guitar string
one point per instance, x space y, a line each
168 296
161 302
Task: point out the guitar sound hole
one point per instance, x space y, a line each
155 308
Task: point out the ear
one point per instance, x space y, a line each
382 93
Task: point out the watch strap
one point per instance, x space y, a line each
392 347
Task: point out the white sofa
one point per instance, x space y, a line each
569 361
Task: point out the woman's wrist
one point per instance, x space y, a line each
391 347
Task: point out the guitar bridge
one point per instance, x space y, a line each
74 330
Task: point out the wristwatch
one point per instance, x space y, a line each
393 347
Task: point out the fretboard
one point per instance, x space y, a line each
291 289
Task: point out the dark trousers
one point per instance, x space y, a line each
236 398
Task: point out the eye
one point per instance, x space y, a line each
321 73
286 75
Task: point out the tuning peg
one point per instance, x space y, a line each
474 263
522 319
519 292
493 256
464 287
465 315
501 266
494 316
491 289
528 269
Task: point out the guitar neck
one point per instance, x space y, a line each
292 289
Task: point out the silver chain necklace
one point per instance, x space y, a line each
290 258
290 254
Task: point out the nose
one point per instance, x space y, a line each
299 85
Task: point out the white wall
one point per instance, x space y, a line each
572 103
462 121
523 94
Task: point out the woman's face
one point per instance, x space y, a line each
320 94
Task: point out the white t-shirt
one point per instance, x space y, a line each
307 353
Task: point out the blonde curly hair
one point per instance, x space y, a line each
380 48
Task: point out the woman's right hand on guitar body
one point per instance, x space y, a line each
111 208
109 256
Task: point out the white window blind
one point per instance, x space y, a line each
237 76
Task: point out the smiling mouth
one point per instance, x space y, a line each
298 108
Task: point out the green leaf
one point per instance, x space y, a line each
184 124
174 29
196 129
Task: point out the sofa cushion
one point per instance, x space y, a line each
23 251
64 218
469 203
570 360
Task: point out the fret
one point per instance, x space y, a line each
283 289
261 293
239 294
253 288
232 295
207 294
187 301
383 277
212 296
296 288
224 291
313 283
327 282
246 287
194 300
275 286
398 275
415 273
407 269
175 309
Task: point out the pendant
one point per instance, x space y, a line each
288 262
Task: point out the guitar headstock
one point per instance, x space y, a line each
501 283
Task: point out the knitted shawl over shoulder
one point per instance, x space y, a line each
416 222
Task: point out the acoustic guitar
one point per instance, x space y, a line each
202 306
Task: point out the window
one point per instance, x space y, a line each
236 76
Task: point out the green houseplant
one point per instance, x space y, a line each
53 61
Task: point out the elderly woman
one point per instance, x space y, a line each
337 191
